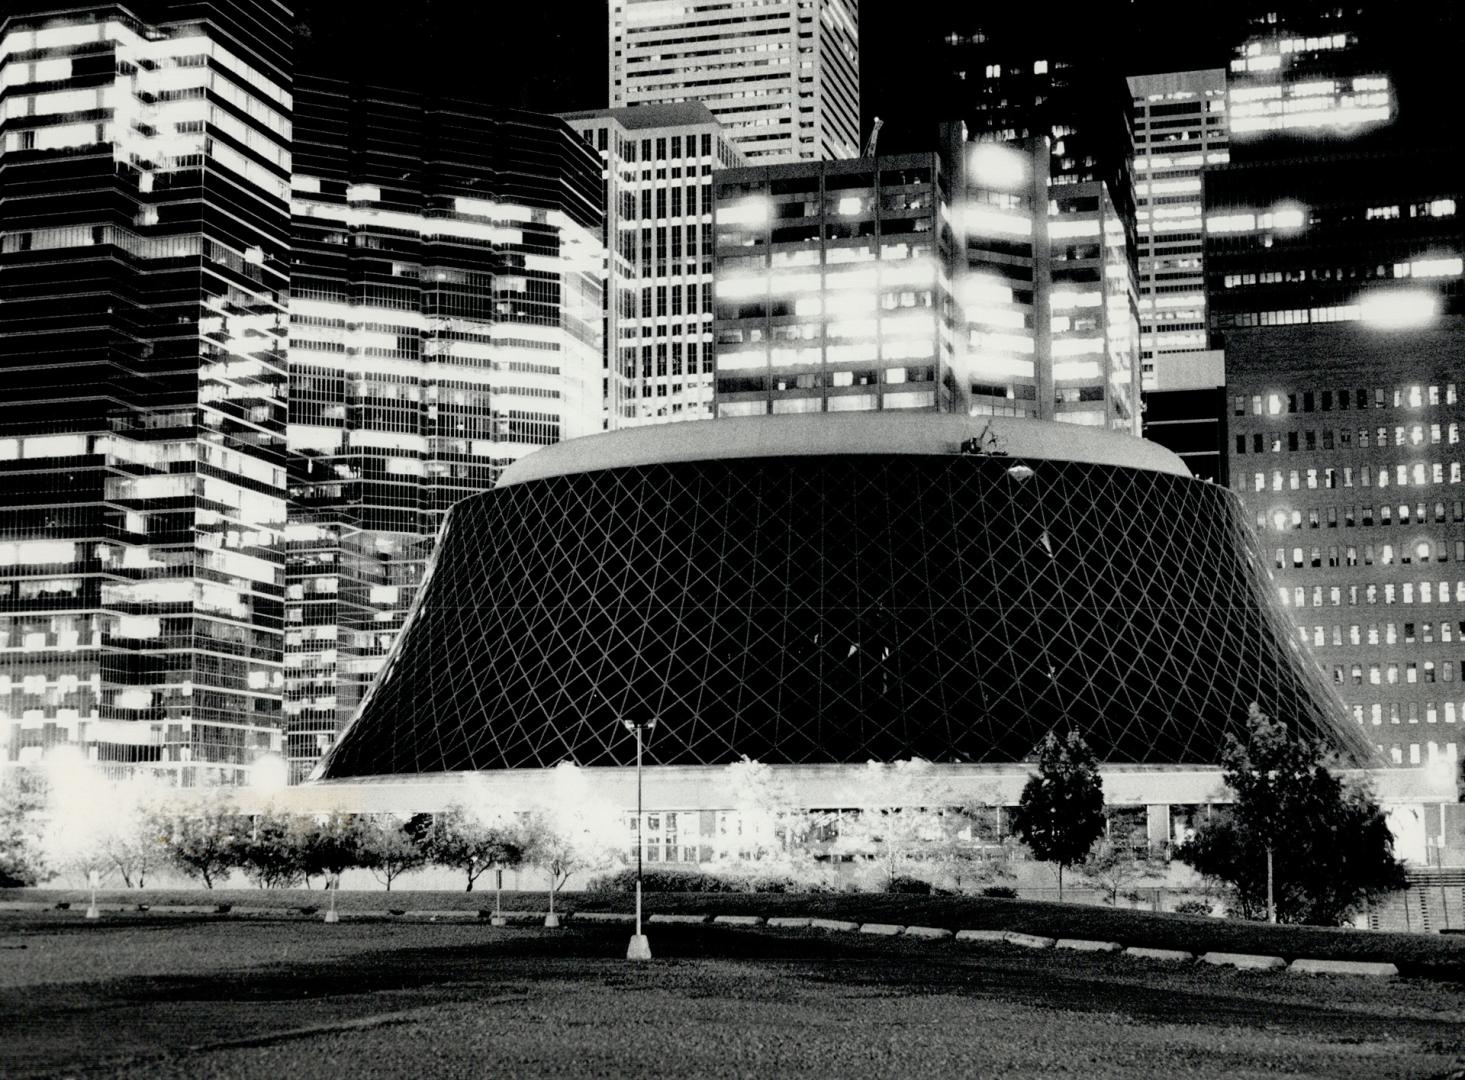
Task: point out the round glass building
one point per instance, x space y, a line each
834 589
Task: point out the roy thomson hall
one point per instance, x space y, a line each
818 592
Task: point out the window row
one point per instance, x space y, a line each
1408 592
1419 474
1388 633
1379 397
1348 439
1281 520
1349 555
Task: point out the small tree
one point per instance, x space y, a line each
23 800
1338 845
205 844
389 849
271 853
330 846
1112 868
463 841
1061 812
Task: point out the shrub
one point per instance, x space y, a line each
693 881
1193 907
909 886
1000 892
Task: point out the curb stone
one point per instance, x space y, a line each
1158 954
883 929
833 924
931 933
994 936
1343 967
1028 941
694 919
739 920
1084 945
604 917
1244 961
789 922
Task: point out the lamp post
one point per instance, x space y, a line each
640 948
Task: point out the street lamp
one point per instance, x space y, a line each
640 948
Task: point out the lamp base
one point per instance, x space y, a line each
552 920
640 948
93 913
498 920
332 916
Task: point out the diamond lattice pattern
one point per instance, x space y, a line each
840 609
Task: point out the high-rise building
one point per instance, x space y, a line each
782 76
144 261
1333 263
1007 83
1179 132
657 164
445 319
1347 455
914 281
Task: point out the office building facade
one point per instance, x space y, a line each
1346 452
782 76
446 319
1179 132
657 163
144 268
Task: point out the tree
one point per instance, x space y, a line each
1061 811
1339 849
330 846
271 852
463 841
206 843
23 798
388 849
1114 867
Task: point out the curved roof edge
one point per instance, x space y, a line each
816 434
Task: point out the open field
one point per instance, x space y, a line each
1417 954
208 996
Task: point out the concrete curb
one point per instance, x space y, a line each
994 937
603 917
739 920
1084 945
1244 961
881 928
930 933
1158 954
693 919
1343 967
445 914
833 924
789 922
1028 941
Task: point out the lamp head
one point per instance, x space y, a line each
1020 472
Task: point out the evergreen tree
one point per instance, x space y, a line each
1061 812
1300 845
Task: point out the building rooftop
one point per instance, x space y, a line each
634 117
819 434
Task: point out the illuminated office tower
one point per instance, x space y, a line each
1009 82
657 163
914 281
445 320
782 76
144 247
1179 131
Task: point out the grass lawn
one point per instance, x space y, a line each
138 996
1421 954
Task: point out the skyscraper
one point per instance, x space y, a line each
144 260
1333 262
657 165
445 319
782 76
1009 82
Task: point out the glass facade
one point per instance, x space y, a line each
783 76
896 598
144 266
445 320
657 166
